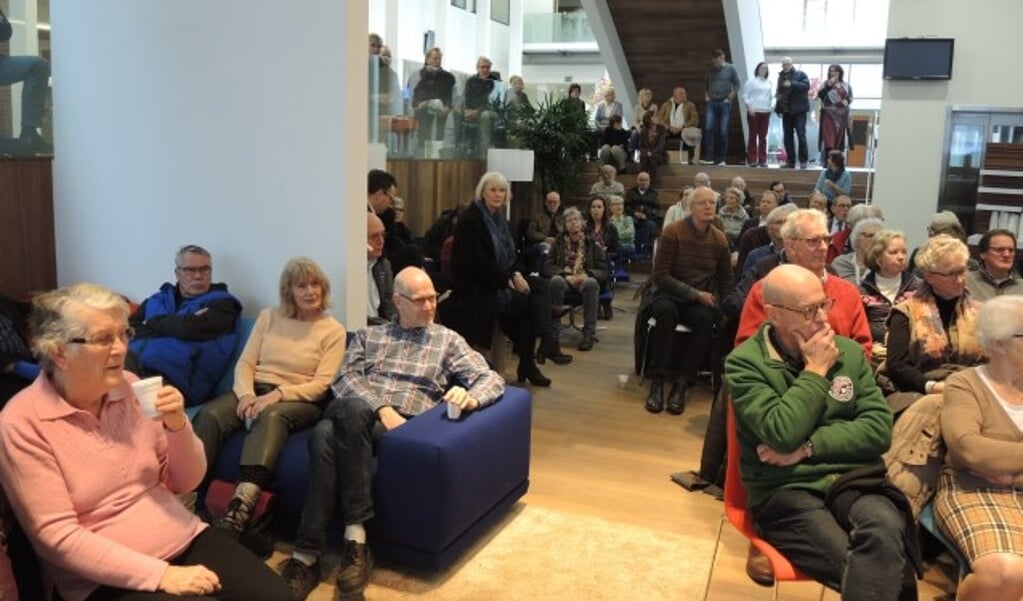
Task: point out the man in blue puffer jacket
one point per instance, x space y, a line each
186 331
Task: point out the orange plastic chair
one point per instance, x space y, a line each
738 515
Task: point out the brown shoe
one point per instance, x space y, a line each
758 567
356 565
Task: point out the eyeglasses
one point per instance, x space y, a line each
842 205
1002 250
106 339
421 301
194 271
958 273
815 241
810 312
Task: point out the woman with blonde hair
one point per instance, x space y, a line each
933 334
281 384
889 282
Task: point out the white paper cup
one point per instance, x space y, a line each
454 411
146 391
623 379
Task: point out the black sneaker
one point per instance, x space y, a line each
235 518
301 578
356 563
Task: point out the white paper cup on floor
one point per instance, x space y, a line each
454 411
623 379
146 391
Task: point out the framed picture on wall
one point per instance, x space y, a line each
500 11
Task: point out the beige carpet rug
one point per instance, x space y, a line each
541 554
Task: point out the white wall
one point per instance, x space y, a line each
175 128
913 113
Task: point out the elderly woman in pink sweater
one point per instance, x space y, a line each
92 478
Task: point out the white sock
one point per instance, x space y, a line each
307 558
355 532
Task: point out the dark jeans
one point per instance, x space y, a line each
867 563
646 233
794 123
663 343
322 497
243 576
715 137
35 72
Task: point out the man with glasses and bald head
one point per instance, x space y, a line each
186 331
812 426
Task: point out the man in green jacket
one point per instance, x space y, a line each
807 413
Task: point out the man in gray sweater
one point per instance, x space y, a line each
721 83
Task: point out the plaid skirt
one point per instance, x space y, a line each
979 521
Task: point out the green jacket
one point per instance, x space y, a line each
844 416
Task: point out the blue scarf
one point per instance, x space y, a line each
500 235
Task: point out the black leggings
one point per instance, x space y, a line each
243 576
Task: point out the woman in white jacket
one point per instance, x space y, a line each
756 95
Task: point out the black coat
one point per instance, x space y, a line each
476 279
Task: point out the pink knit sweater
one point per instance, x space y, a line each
96 496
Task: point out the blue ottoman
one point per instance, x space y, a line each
439 484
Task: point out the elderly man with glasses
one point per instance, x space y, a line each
812 425
186 331
997 274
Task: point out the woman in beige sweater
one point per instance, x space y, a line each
978 504
281 384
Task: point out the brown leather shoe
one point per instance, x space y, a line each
758 567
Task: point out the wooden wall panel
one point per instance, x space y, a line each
429 187
28 256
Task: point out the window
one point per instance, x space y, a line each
469 5
500 11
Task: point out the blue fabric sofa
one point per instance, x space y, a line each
439 484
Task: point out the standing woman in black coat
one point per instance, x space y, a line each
489 283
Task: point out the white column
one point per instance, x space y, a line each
234 124
611 53
745 44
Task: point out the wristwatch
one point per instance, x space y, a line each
808 447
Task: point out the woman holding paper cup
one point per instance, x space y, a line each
281 385
93 480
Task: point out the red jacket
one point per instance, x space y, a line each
847 317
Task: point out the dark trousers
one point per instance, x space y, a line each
756 148
527 316
243 576
715 137
35 72
356 430
867 563
322 498
793 125
646 233
668 358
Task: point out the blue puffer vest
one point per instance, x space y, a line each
192 366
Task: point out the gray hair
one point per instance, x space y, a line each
861 227
194 249
999 320
615 199
493 177
877 247
936 248
572 212
791 228
863 211
702 178
782 211
944 218
56 316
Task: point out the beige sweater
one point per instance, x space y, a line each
977 431
300 357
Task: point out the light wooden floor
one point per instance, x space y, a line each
597 451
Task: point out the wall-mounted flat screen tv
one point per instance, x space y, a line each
918 58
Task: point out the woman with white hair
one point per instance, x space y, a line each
977 504
92 476
852 266
933 334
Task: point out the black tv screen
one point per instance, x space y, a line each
918 58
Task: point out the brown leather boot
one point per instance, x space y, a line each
758 567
